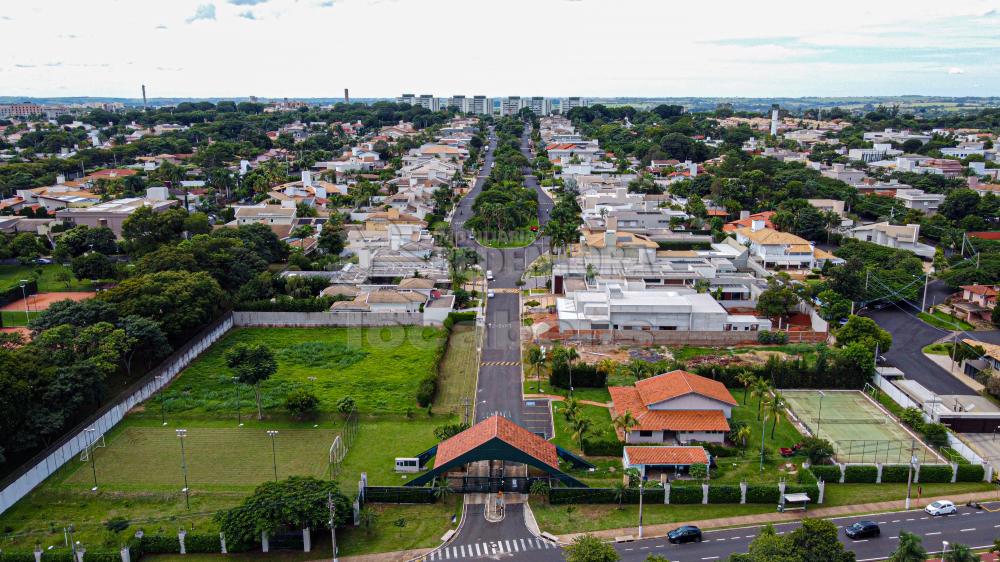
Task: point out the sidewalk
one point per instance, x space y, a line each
559 398
946 363
651 531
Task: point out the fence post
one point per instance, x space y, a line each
916 473
743 492
306 540
822 490
264 545
878 475
954 472
843 470
988 472
222 543
125 553
666 493
180 537
704 493
38 554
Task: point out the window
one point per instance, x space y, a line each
645 434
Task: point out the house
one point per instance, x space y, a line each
111 214
917 199
990 359
828 206
781 250
975 301
393 220
747 220
653 460
265 214
893 236
675 407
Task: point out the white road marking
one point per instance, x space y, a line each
710 558
966 530
932 534
891 538
895 520
478 553
862 540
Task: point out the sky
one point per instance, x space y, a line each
596 48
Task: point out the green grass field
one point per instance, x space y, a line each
944 321
457 379
600 425
17 318
379 367
10 275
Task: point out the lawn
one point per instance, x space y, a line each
17 318
944 321
457 379
11 275
600 425
581 518
380 368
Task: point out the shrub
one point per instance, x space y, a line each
724 494
931 473
762 494
302 404
449 430
602 447
970 473
686 494
826 472
912 417
812 490
860 474
698 471
806 476
116 524
936 434
818 450
895 473
765 336
717 450
203 543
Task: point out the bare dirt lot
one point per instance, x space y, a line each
42 301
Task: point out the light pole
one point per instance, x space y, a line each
819 415
274 454
333 523
763 432
24 293
181 434
642 484
944 549
239 414
909 474
93 464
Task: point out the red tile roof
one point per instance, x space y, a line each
748 222
680 383
985 235
627 399
985 290
666 455
496 427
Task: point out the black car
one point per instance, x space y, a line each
687 533
863 529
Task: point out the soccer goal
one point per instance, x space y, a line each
89 449
871 390
337 453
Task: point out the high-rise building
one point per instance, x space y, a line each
481 105
774 120
538 105
427 101
406 98
510 105
25 109
460 103
570 103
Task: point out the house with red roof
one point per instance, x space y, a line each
975 301
762 220
675 407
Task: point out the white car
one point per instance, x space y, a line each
941 507
490 294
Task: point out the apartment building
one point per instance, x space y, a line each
917 199
900 237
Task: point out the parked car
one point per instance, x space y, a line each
863 530
490 294
941 507
42 261
687 533
489 275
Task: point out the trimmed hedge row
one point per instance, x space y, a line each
558 496
805 476
762 494
429 383
826 472
935 473
895 473
687 494
724 494
10 295
970 473
860 474
811 489
398 494
148 544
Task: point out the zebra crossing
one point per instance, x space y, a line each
493 548
499 363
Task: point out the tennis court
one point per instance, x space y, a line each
860 430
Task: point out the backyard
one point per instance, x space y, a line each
48 278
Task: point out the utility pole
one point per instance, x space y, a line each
181 434
333 523
909 475
923 302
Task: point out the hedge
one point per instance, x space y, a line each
456 317
860 474
762 494
806 476
428 385
15 293
398 494
559 496
931 473
584 376
724 494
717 450
812 490
285 303
602 447
687 494
148 544
826 472
971 473
895 473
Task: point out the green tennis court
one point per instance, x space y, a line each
861 432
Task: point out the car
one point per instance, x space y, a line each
42 261
489 275
490 294
687 533
941 507
863 529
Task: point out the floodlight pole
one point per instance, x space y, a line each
239 413
909 474
333 523
641 487
274 454
763 432
182 433
819 415
24 293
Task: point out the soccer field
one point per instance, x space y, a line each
217 458
861 432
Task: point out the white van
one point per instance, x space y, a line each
489 275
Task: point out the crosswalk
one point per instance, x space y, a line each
507 291
488 549
499 363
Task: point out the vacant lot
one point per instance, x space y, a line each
379 368
457 381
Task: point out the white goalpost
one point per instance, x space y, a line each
89 449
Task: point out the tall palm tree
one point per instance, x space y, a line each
776 408
742 435
569 355
910 549
581 426
960 553
759 389
572 409
536 358
746 378
607 367
624 422
442 489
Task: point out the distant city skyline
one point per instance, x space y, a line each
552 48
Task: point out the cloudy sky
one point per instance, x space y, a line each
381 48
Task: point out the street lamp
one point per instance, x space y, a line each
909 474
944 549
274 455
24 293
642 484
181 434
819 415
92 432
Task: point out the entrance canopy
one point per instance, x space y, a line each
496 438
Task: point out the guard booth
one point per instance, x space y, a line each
515 458
793 502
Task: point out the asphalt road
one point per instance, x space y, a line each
509 538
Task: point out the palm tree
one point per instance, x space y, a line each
442 489
746 378
960 553
620 490
571 410
368 518
580 426
759 389
742 435
536 358
607 367
569 355
624 422
910 549
776 407
637 369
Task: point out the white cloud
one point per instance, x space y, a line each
203 12
955 70
246 2
247 15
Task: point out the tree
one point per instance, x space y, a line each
776 408
368 518
145 230
817 450
834 307
960 553
298 502
959 203
93 265
536 358
252 364
181 301
588 548
777 300
64 275
864 330
302 404
76 313
909 549
760 390
814 541
331 238
144 337
624 422
656 558
581 426
619 490
345 405
746 378
400 524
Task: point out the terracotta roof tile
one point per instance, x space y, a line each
496 427
679 383
666 455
